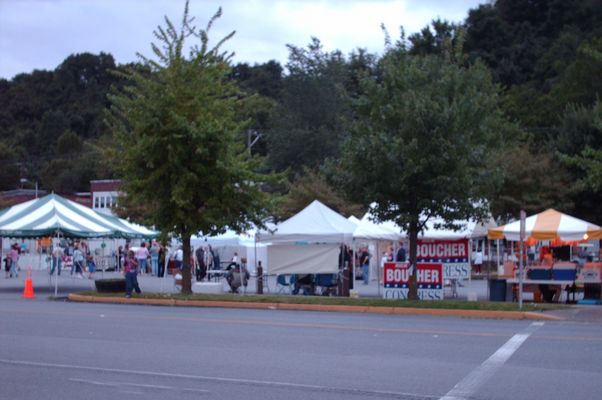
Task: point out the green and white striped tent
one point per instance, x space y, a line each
53 215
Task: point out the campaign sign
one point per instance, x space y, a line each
429 279
452 254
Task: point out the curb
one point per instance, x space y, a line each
320 307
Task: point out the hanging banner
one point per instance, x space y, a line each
429 279
453 255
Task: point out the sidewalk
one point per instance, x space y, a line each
44 288
44 285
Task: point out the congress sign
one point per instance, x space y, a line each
429 279
453 255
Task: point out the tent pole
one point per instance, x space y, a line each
353 267
378 260
56 273
255 255
497 242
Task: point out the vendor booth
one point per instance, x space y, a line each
308 246
547 276
57 217
316 232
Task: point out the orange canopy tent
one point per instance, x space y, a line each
548 225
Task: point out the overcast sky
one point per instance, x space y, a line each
40 34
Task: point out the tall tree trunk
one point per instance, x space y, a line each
186 272
413 289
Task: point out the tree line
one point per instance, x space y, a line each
543 59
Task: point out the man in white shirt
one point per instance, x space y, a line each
179 258
478 261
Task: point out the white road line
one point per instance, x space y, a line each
139 385
288 385
471 383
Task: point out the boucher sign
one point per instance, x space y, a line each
429 279
453 255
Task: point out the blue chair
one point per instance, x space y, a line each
283 285
328 283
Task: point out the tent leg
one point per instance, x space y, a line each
353 267
56 273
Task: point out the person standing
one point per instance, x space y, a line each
365 264
14 259
78 261
478 261
142 254
385 258
57 259
154 254
401 253
130 269
163 259
91 266
120 259
179 258
201 271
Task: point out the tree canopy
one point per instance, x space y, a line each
179 148
421 144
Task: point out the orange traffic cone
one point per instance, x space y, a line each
28 292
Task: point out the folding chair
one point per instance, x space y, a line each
283 285
328 284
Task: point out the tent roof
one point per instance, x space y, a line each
370 230
468 229
53 214
388 230
549 225
316 223
228 238
354 219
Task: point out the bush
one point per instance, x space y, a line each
110 285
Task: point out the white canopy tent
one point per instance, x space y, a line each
230 242
367 229
308 242
316 223
468 230
388 230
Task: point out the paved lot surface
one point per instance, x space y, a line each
64 350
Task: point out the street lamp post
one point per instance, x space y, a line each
25 180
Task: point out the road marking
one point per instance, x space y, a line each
473 381
138 385
273 384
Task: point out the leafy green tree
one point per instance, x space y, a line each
307 124
313 185
179 140
437 40
590 162
421 142
532 180
579 145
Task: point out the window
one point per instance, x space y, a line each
96 202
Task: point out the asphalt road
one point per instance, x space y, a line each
62 350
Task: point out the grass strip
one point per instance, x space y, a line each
345 301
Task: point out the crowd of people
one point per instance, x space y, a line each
74 253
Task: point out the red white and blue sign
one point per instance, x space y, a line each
429 280
453 255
